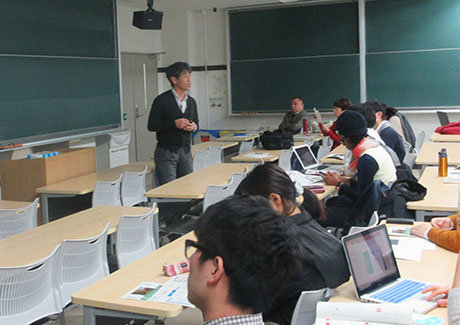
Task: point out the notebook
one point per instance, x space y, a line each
376 275
308 161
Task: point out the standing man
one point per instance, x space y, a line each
293 120
174 117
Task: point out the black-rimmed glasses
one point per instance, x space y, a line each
191 243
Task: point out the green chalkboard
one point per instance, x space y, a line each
396 25
267 86
59 69
307 51
415 79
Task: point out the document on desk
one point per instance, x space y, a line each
453 176
258 155
339 313
174 291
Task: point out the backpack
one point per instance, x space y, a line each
277 139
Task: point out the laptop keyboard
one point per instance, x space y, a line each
403 290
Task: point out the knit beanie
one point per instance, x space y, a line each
351 123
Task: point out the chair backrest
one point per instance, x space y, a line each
133 188
305 309
407 146
235 180
409 159
216 193
374 221
107 193
284 161
200 159
79 263
323 151
14 221
246 146
327 142
135 237
215 155
28 293
419 141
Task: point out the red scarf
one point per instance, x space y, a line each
357 151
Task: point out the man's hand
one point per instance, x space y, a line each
181 123
442 223
191 127
332 178
419 230
438 290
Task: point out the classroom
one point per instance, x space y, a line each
249 59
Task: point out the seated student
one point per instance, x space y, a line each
293 120
324 266
370 161
442 231
244 253
391 138
340 105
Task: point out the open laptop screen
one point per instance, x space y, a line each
305 155
370 258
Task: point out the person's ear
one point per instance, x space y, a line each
276 201
216 270
174 80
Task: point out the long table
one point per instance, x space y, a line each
12 205
260 154
337 150
437 137
440 199
35 244
203 146
85 184
428 155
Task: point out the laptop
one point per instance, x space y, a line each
443 118
376 275
308 162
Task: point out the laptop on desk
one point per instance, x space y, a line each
308 162
376 275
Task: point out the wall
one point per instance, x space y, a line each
182 38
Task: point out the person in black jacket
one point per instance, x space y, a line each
324 265
174 117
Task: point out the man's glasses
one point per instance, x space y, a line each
191 243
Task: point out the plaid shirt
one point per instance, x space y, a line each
253 319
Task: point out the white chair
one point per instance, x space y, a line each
133 188
215 156
373 221
235 180
305 309
407 146
323 151
284 161
14 221
409 159
200 159
419 141
246 146
107 193
28 293
216 193
79 263
135 237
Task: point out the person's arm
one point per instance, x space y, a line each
367 168
193 122
156 122
334 136
454 297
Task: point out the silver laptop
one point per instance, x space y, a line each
308 161
376 275
443 118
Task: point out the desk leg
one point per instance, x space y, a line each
90 313
89 317
419 215
44 206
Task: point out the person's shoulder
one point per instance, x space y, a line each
166 95
303 112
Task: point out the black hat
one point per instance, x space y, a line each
351 124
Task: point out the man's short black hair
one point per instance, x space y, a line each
296 97
343 103
176 69
367 110
259 248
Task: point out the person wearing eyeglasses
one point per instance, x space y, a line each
325 264
370 162
242 256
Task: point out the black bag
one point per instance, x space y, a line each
276 140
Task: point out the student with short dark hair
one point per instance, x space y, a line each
340 106
174 117
323 249
293 120
244 254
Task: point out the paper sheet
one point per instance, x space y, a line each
258 155
413 242
407 253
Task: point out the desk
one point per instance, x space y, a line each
307 137
203 146
239 138
436 266
429 153
37 243
104 297
273 155
12 205
337 150
194 185
436 137
85 184
441 198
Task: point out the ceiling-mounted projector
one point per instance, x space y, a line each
149 19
